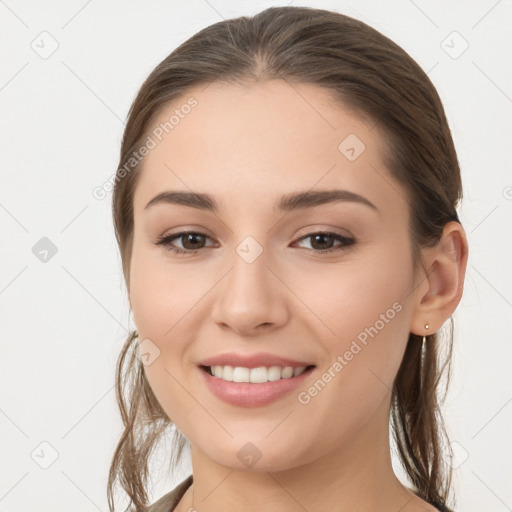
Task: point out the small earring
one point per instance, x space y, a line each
423 352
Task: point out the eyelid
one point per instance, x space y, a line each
317 228
345 241
167 240
306 231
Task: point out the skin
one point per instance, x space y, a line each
246 145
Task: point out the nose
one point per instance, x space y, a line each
251 299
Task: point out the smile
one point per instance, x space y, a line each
257 375
241 386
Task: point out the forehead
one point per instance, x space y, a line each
265 139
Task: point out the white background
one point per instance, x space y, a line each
63 322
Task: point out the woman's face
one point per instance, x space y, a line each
259 289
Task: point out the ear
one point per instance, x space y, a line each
440 288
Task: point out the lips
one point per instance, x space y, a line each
246 390
253 361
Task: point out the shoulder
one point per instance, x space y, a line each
422 507
427 507
418 504
168 502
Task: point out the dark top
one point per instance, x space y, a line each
169 501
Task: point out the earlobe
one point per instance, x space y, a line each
445 273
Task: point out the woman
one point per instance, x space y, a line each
285 208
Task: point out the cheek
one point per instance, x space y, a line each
162 301
159 293
350 298
367 313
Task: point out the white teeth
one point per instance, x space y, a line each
239 374
255 375
258 375
227 373
287 372
298 370
274 373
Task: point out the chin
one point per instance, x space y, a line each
257 454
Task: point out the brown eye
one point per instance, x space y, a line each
322 242
191 241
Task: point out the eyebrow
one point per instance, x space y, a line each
287 203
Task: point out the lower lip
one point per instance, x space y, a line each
247 394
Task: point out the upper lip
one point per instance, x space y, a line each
252 360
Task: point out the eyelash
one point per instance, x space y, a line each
165 241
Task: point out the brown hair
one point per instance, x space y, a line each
374 77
